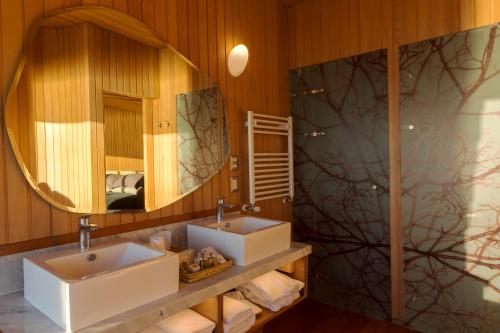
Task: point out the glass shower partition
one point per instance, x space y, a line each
450 144
341 205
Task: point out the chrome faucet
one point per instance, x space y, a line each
219 212
84 230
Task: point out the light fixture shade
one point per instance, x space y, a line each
237 60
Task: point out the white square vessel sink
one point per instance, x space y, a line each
77 289
245 239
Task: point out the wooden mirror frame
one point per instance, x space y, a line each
106 18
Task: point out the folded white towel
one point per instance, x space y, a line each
294 285
241 327
273 306
235 311
238 295
238 317
272 286
186 321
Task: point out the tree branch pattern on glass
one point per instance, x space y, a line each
201 135
341 161
450 137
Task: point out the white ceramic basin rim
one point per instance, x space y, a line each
77 289
243 225
245 239
101 260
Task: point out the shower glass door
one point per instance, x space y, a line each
341 203
450 145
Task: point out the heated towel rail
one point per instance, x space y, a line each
270 174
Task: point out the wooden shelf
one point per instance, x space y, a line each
266 315
297 269
213 309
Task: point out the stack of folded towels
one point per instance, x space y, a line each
186 321
238 316
273 290
237 295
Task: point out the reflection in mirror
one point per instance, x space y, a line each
201 131
124 152
100 122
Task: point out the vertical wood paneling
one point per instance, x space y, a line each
172 29
482 12
495 10
193 31
284 97
271 102
99 115
354 28
221 78
40 220
395 217
360 30
18 205
229 18
214 191
123 139
43 85
371 26
194 53
204 194
148 140
325 47
467 14
184 29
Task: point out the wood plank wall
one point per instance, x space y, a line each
123 142
325 30
52 141
202 30
61 96
121 66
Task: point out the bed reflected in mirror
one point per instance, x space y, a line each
124 153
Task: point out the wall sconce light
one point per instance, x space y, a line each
237 60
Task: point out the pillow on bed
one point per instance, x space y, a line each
113 180
126 189
135 180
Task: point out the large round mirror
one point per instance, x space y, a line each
103 116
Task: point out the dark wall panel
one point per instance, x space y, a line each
450 138
341 206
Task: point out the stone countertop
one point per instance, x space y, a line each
18 316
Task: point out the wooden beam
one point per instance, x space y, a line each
396 223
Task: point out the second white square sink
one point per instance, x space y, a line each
77 289
245 239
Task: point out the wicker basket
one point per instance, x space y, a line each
205 273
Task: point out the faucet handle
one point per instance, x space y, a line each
223 204
220 200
